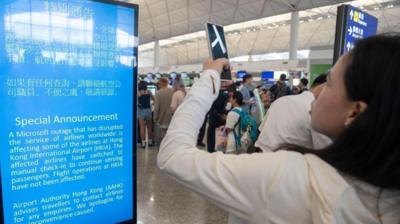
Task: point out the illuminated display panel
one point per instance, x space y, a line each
67 78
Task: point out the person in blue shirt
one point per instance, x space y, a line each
247 93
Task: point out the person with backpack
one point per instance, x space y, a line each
280 88
241 128
232 121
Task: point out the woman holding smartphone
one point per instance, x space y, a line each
354 180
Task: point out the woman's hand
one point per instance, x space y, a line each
217 65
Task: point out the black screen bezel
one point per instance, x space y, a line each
214 57
134 115
340 34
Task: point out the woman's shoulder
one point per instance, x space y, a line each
340 198
310 159
324 173
291 159
327 183
323 179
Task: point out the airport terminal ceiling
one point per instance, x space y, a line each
252 26
161 19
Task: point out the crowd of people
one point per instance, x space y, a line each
235 102
155 111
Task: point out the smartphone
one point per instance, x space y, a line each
217 46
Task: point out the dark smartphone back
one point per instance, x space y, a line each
217 46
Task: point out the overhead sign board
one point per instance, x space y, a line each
352 24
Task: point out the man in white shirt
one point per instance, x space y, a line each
288 121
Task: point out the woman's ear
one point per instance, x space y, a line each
358 108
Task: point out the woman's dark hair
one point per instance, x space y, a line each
237 95
142 85
369 149
321 79
246 77
304 81
231 88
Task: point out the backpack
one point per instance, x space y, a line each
248 131
279 91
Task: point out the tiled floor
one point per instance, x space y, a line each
161 200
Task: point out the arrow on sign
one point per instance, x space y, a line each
350 30
351 14
348 46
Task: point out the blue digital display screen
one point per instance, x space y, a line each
359 25
241 74
267 75
67 80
